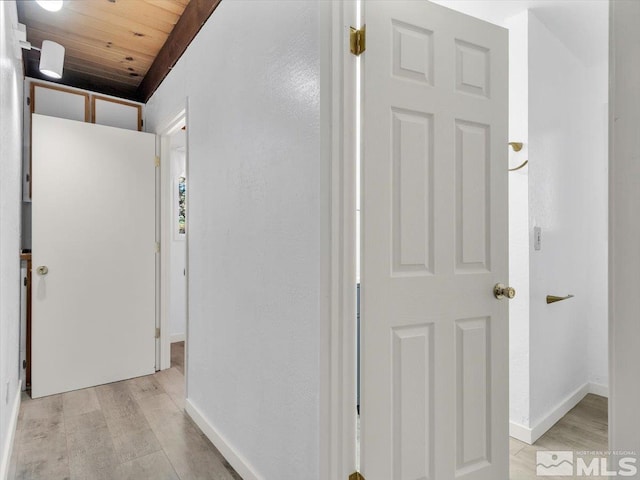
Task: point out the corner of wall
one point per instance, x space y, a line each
250 123
11 94
240 464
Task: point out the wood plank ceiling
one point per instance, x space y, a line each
112 45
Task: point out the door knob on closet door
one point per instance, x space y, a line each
502 291
42 270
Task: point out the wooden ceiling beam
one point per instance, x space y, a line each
190 23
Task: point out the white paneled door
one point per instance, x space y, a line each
434 243
93 287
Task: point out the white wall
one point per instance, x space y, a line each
567 195
597 224
177 252
11 76
519 219
252 79
624 421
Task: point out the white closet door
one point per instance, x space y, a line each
94 243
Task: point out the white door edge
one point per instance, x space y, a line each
338 326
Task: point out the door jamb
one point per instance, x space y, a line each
338 250
163 344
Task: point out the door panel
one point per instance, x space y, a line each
94 229
434 243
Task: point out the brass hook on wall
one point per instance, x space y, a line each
517 146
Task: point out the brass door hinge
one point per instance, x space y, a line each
157 332
358 40
356 476
157 247
157 161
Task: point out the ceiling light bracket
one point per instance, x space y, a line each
20 39
51 54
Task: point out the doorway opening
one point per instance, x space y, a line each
173 245
178 249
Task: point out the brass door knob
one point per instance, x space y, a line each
502 291
42 270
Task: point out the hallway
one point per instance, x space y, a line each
134 429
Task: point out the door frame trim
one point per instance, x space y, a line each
163 233
338 236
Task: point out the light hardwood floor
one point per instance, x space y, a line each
583 429
135 429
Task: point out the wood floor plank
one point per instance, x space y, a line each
138 430
41 407
134 429
42 450
41 465
583 428
13 462
32 429
522 465
136 444
191 455
91 450
146 386
564 438
177 356
154 466
515 445
120 409
172 382
159 408
131 434
80 402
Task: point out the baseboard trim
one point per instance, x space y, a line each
558 412
530 435
177 337
599 389
520 432
237 461
13 423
